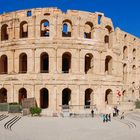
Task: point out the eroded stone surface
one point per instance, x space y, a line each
111 58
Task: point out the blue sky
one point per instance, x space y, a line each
124 13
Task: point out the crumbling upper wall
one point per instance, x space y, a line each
97 27
54 11
124 37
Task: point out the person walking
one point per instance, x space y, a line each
104 118
122 115
109 117
92 113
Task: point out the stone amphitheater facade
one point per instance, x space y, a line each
73 60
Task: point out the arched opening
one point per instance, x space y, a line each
29 13
23 29
106 39
44 98
124 68
44 28
125 36
108 65
3 64
124 95
109 97
134 69
124 73
88 98
88 32
67 28
66 62
109 29
125 52
88 63
4 32
3 95
99 19
44 63
23 63
47 14
133 95
22 95
134 54
66 98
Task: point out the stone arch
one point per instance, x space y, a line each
89 63
44 28
88 31
108 64
66 62
109 28
23 29
29 13
124 95
23 63
44 62
125 36
125 68
22 95
125 52
3 95
88 98
134 69
108 35
66 28
106 39
109 97
44 98
133 94
3 64
4 32
125 72
134 54
66 98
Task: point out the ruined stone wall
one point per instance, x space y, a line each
95 26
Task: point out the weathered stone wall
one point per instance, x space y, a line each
55 45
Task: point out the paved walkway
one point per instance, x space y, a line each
41 128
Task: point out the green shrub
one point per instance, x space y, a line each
137 104
35 111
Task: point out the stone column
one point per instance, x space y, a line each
17 29
111 39
59 28
11 62
75 61
54 98
37 28
33 60
37 62
82 62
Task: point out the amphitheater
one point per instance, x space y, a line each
72 61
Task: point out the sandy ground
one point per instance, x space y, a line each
46 128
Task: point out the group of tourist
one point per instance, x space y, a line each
106 118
